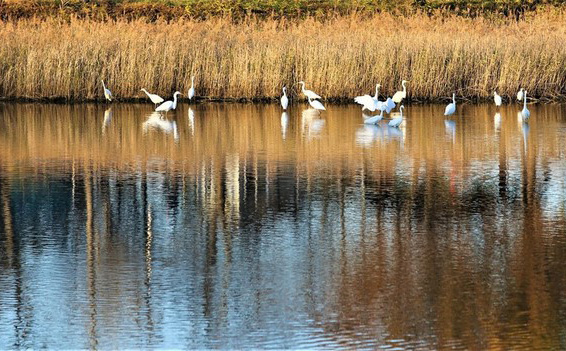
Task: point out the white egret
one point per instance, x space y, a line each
107 93
368 102
396 122
156 99
191 92
525 112
497 99
309 93
400 95
374 119
284 99
451 108
520 95
168 105
317 105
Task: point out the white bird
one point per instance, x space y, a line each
525 112
107 93
520 95
497 99
317 105
191 92
400 95
396 122
168 105
368 102
451 108
309 93
374 119
156 99
284 99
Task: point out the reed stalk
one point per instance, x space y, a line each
252 59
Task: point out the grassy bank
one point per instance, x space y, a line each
339 58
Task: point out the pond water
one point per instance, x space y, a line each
234 226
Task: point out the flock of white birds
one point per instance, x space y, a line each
368 102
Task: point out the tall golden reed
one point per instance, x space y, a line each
338 58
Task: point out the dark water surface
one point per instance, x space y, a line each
232 226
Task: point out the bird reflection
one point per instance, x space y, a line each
158 122
311 123
394 133
107 119
519 119
192 121
368 134
284 124
450 129
525 129
497 121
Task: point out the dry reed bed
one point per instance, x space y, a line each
340 58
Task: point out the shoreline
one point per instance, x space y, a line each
268 101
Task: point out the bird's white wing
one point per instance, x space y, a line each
166 106
373 120
449 109
498 100
396 121
312 94
284 102
156 99
366 101
398 97
317 105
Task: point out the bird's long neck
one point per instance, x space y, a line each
192 82
284 91
454 99
376 92
103 85
303 87
174 101
404 87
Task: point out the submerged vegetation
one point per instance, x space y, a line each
253 57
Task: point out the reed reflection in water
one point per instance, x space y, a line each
229 226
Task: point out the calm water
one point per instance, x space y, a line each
232 226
